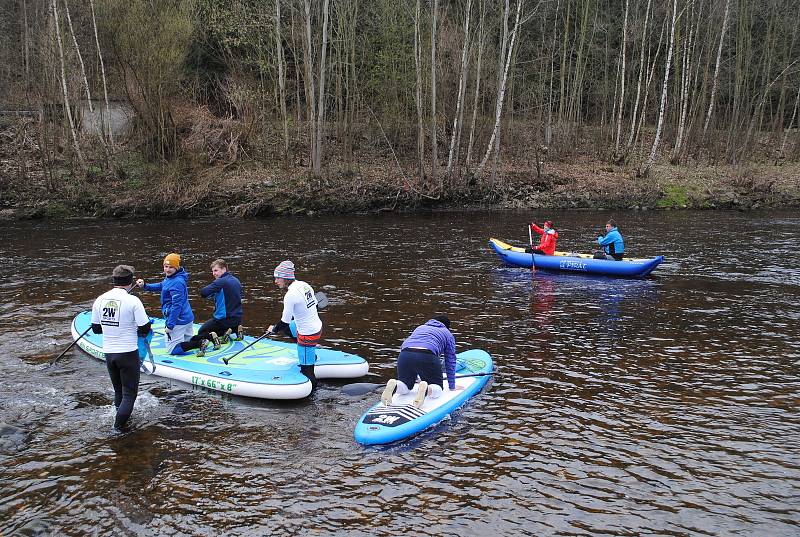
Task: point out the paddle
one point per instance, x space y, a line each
530 239
322 302
57 358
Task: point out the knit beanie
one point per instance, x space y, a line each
122 275
285 270
173 260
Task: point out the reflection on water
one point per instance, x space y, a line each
661 406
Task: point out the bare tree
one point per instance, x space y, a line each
317 166
107 115
712 99
281 79
623 74
67 105
501 91
418 93
434 143
462 82
657 140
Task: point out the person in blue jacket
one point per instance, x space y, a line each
178 316
419 356
612 243
226 290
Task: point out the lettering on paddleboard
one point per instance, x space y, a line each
214 384
569 264
392 416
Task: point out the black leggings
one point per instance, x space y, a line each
535 251
212 325
123 368
308 371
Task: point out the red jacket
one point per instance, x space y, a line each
547 243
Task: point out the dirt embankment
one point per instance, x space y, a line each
128 185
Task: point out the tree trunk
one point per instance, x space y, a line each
481 40
645 47
311 104
418 94
462 81
715 79
501 94
317 169
107 115
281 80
434 143
622 82
67 107
653 151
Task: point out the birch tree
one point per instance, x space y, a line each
501 91
107 115
712 99
623 73
418 92
462 82
434 143
65 93
653 151
281 79
317 167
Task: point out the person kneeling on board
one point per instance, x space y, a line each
419 356
300 305
121 318
178 316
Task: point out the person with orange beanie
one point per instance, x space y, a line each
178 316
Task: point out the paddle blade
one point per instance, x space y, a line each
322 300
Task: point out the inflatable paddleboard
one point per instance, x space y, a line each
269 369
385 424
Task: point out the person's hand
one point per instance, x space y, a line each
140 283
457 388
271 329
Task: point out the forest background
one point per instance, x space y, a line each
254 107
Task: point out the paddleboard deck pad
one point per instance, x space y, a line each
269 369
385 424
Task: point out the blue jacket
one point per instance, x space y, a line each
612 242
435 337
227 293
174 298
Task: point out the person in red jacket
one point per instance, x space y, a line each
547 244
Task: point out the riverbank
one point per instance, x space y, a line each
371 183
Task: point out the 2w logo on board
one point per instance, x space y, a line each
385 419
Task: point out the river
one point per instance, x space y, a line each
663 406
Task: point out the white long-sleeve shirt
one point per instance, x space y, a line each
300 304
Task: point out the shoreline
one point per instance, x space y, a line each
260 192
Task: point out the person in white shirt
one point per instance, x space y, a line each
121 318
300 306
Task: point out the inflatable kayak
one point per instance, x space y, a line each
269 369
580 263
385 424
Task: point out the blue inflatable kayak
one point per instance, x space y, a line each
579 263
385 424
269 369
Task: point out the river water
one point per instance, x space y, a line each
662 406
